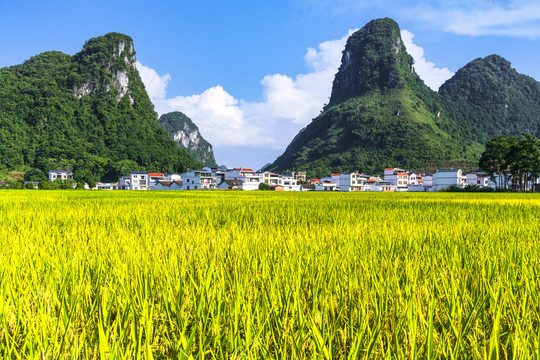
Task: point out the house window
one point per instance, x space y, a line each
188 187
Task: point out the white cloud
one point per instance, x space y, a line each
475 18
288 105
433 77
156 85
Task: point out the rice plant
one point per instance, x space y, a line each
239 275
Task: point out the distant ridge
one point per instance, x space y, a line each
186 134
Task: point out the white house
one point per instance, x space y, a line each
107 186
478 178
413 179
60 174
290 183
375 184
270 178
352 181
250 178
445 178
137 180
397 177
326 186
428 180
198 179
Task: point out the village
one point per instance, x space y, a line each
212 178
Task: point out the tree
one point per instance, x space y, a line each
34 175
524 161
29 186
69 184
44 185
494 159
264 186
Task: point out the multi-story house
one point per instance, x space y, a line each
290 183
198 179
270 178
137 180
250 178
60 174
351 181
445 178
397 177
477 178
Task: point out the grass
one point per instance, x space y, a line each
239 275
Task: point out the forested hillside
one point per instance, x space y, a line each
381 114
89 113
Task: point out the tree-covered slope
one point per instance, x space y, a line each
382 114
186 134
89 113
489 97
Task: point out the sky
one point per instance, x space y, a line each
251 74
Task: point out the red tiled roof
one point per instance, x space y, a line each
165 183
336 174
244 169
155 174
389 169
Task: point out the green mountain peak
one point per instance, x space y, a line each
381 114
374 58
89 113
106 63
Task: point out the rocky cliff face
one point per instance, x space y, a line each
186 134
116 58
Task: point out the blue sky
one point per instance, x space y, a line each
251 74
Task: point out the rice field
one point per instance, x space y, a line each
262 275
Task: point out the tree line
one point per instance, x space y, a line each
508 158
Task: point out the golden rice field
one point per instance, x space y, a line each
261 275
